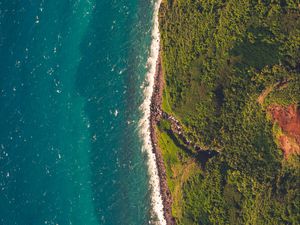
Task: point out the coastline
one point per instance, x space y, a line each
155 116
161 213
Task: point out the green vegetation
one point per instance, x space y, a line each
179 167
225 63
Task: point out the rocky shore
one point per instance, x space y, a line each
155 116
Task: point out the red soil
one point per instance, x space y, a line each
288 118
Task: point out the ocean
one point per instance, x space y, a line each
76 78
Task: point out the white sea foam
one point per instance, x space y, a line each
156 198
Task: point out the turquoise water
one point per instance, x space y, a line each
70 77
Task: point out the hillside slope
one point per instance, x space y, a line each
226 64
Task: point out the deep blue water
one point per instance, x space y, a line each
70 77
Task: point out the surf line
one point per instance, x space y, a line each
145 132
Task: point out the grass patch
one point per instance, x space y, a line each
179 167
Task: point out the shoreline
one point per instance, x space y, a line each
155 116
161 200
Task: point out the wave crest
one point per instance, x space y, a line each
156 198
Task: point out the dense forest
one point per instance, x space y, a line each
231 66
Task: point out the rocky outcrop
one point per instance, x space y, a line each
154 119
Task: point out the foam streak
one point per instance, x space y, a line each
156 198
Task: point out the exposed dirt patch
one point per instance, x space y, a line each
264 94
288 118
268 90
289 145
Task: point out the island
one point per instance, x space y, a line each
225 113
